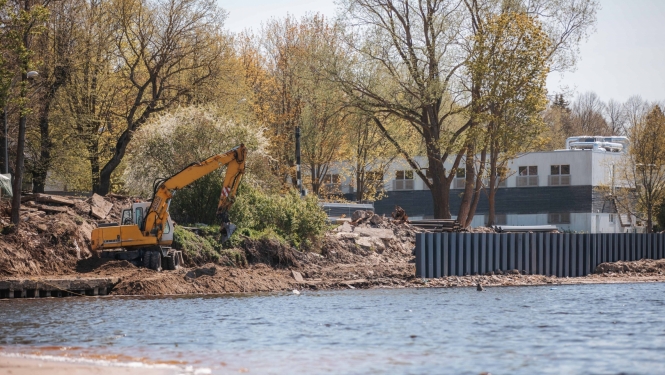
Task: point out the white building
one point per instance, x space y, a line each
567 188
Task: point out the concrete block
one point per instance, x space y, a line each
384 234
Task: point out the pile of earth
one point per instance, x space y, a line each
54 232
643 266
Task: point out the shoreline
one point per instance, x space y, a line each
280 286
32 364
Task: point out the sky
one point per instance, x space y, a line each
625 56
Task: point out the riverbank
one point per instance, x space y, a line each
52 250
51 365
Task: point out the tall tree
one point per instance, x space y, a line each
55 49
615 115
644 166
418 50
510 60
165 50
587 112
25 20
407 59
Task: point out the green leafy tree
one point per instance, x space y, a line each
172 141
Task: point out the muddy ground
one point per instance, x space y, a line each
376 252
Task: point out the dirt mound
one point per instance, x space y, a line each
46 244
258 278
271 252
54 234
644 266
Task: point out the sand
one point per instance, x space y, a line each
36 366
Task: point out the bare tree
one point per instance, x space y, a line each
616 117
635 109
587 111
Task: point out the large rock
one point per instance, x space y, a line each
99 206
372 243
347 235
384 234
361 215
297 276
376 219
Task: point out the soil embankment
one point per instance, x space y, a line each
373 252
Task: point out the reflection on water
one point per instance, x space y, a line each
520 330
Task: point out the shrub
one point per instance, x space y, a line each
196 249
288 217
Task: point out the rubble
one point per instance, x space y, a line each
399 215
99 207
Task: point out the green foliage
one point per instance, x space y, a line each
197 203
204 247
197 249
300 221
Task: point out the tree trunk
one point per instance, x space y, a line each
470 177
359 184
44 162
477 188
493 185
20 146
93 152
649 220
60 75
440 189
18 170
105 174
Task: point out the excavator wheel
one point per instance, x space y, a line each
153 259
172 261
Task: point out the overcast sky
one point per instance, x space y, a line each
624 57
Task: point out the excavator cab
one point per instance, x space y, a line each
136 216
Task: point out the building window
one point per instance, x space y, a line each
460 178
499 219
559 175
611 218
528 176
403 180
558 218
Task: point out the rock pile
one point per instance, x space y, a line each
377 233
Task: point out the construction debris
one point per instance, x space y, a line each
99 207
400 215
56 199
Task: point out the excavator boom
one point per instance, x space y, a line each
138 231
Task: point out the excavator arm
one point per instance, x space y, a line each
157 215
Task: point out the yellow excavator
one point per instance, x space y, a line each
145 232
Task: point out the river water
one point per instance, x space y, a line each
581 329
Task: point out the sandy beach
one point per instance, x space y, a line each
19 365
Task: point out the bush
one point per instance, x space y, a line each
287 217
197 203
196 249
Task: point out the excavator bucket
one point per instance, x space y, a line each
226 231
